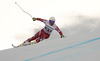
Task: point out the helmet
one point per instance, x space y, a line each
52 20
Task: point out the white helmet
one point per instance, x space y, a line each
52 19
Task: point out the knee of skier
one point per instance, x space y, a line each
46 37
30 39
39 39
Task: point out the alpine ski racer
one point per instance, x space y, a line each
43 33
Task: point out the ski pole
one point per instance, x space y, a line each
23 10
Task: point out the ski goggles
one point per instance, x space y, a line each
52 21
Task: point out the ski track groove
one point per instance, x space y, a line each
88 41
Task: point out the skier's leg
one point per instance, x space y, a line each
39 39
43 36
34 37
28 41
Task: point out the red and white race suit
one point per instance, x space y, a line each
45 32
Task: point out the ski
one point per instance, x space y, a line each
18 46
15 46
23 45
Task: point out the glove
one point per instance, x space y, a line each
34 19
62 36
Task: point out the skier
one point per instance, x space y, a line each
44 33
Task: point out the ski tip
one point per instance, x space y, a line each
14 46
15 2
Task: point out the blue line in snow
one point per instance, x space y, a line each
63 49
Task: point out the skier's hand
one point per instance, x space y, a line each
34 19
62 36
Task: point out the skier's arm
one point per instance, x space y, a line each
60 32
42 20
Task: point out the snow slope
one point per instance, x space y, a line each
73 48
